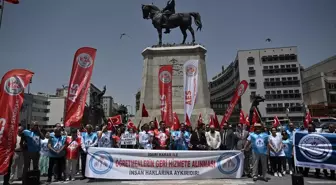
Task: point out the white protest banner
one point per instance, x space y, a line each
128 139
114 163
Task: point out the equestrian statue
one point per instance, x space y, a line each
167 19
254 106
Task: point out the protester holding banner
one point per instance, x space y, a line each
331 130
259 140
227 137
89 139
241 135
129 139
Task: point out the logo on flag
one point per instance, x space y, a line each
315 147
84 60
102 163
14 85
165 77
191 70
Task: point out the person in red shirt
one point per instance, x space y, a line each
73 144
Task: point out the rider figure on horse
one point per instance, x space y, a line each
167 12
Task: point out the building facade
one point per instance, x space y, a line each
273 73
319 87
108 105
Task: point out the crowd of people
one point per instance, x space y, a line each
61 155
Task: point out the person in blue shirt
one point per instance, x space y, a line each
181 138
89 139
30 142
56 145
288 148
259 141
290 131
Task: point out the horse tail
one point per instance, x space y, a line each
198 21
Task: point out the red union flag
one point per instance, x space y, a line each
12 88
78 86
115 120
239 92
166 93
190 80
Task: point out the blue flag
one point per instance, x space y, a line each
315 150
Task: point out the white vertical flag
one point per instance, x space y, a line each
190 79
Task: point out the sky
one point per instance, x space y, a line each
43 35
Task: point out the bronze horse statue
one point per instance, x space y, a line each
182 20
255 103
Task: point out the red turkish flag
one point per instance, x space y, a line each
156 124
130 124
187 121
200 119
176 122
144 111
242 119
247 122
13 1
211 121
115 120
307 120
276 121
216 122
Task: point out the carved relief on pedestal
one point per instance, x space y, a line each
177 67
178 91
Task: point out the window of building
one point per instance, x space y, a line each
276 67
270 67
270 58
293 65
295 78
272 79
274 105
279 92
289 78
288 66
281 57
291 91
266 79
297 91
282 66
292 57
272 92
287 105
287 57
251 71
275 57
277 79
279 104
268 92
264 58
268 105
250 61
265 67
253 84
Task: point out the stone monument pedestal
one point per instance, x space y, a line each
154 57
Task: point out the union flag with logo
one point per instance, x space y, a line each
190 85
73 146
12 89
78 86
166 94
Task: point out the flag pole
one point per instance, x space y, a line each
2 6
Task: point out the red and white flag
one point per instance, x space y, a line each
166 94
308 119
78 86
238 93
200 119
187 121
177 123
190 85
247 122
115 120
13 1
156 123
276 121
12 88
144 111
242 119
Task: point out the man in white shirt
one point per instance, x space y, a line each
213 138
